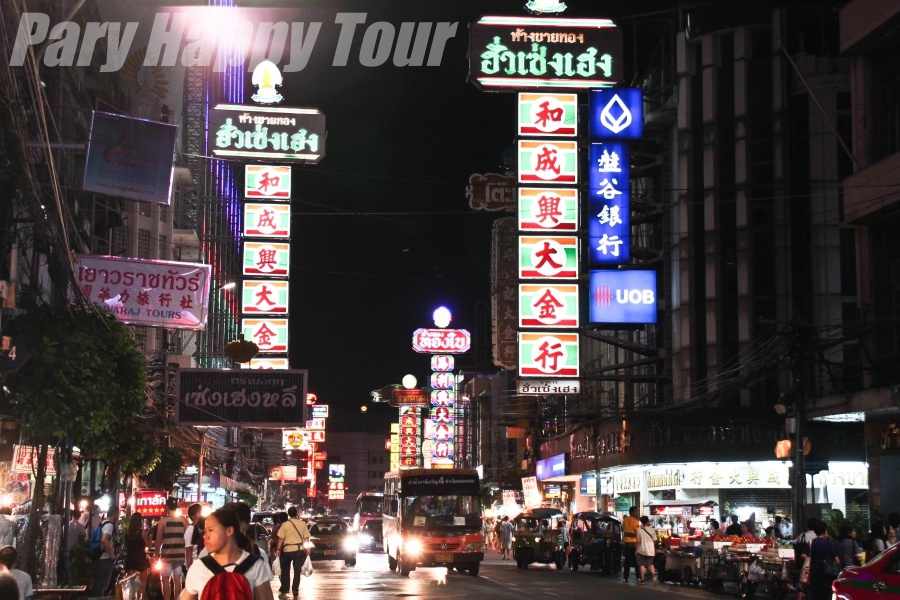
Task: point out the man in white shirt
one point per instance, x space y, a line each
8 557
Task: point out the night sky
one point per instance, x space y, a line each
400 140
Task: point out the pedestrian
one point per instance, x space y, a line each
646 550
75 536
877 543
227 552
714 528
824 564
136 543
7 527
506 535
193 533
102 544
809 535
278 519
893 525
846 546
9 589
779 526
498 525
8 558
630 526
170 548
735 527
292 535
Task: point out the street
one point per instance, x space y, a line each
370 579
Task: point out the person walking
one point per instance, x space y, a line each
630 526
877 543
103 567
227 552
824 564
506 535
136 542
846 546
8 558
193 533
75 535
170 547
292 535
278 519
646 550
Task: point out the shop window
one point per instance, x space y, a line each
144 243
145 208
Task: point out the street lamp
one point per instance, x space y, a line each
409 381
442 316
363 408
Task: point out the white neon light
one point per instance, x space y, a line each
545 83
269 109
243 153
547 22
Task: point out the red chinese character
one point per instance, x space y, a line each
264 296
265 181
546 257
124 297
264 335
546 160
266 259
548 304
143 298
103 295
266 220
547 114
549 207
187 302
546 355
165 299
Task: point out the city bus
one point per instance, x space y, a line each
368 508
432 517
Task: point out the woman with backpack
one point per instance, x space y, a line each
136 550
229 571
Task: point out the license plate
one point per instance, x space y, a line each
443 558
331 553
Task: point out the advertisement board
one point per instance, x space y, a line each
546 161
441 341
548 257
508 53
271 221
219 397
548 209
276 133
271 335
443 363
553 466
319 411
263 297
295 439
544 387
151 503
622 297
547 115
152 293
336 472
267 182
267 259
531 494
609 204
491 192
130 158
553 306
548 354
616 114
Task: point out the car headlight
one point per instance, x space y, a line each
413 547
350 544
537 540
365 539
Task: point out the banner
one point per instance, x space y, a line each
153 293
258 399
130 158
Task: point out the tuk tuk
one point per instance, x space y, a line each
538 538
596 541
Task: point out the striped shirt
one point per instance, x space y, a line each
172 550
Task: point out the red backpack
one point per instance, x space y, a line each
226 585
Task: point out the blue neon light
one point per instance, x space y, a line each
616 114
609 205
622 297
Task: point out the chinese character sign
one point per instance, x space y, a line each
548 306
617 297
548 162
609 205
267 182
548 209
271 335
616 114
545 257
267 220
548 354
548 115
262 297
267 259
443 363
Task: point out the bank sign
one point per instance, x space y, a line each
267 220
520 53
548 209
552 306
550 115
609 205
275 133
548 257
548 354
622 297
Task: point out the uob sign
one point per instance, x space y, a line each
623 297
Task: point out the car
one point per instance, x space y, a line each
370 538
878 579
332 540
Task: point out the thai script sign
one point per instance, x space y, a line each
267 133
548 354
491 192
319 411
548 209
152 293
548 114
509 53
267 182
403 396
548 387
266 363
151 503
267 258
609 205
267 220
271 335
617 114
262 297
295 439
130 158
438 341
622 297
548 161
543 257
260 399
548 306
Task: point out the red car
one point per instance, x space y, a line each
878 579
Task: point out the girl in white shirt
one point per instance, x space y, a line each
224 541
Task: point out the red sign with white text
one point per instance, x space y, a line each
151 503
441 341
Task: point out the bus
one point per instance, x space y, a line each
432 517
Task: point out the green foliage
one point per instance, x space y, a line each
247 498
166 470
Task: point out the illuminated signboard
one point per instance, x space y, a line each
317 437
553 466
548 114
548 209
405 397
519 53
315 424
319 411
443 381
275 133
548 354
548 161
271 335
294 439
441 341
267 220
609 205
266 364
151 503
336 472
267 182
617 114
260 297
622 297
442 363
267 259
548 306
547 257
